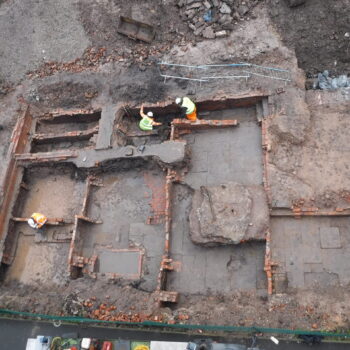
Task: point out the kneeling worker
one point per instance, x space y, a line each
37 220
147 122
189 107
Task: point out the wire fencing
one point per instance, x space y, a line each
210 72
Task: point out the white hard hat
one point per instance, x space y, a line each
178 100
31 223
150 114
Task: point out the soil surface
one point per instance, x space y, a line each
294 310
318 30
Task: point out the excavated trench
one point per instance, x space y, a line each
65 131
127 131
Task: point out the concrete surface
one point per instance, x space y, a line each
211 270
124 263
312 251
124 204
151 238
218 157
167 152
232 154
53 192
106 123
37 264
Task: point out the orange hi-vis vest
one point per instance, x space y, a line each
40 219
191 112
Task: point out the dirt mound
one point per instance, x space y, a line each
214 18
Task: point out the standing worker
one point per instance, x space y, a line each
37 220
189 107
147 122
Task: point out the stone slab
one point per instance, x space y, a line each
324 279
195 280
139 230
178 228
330 238
300 247
260 215
230 156
311 255
196 180
199 163
121 262
313 267
104 136
150 271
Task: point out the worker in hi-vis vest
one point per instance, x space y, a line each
147 122
37 220
189 108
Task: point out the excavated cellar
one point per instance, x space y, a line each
127 213
241 219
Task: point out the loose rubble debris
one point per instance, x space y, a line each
325 82
5 88
107 312
212 19
73 305
93 58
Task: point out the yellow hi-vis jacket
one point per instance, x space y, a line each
39 219
188 104
146 124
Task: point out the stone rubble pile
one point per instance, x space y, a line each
214 18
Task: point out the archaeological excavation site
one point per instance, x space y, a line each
239 217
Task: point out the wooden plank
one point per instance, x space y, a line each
135 29
50 221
